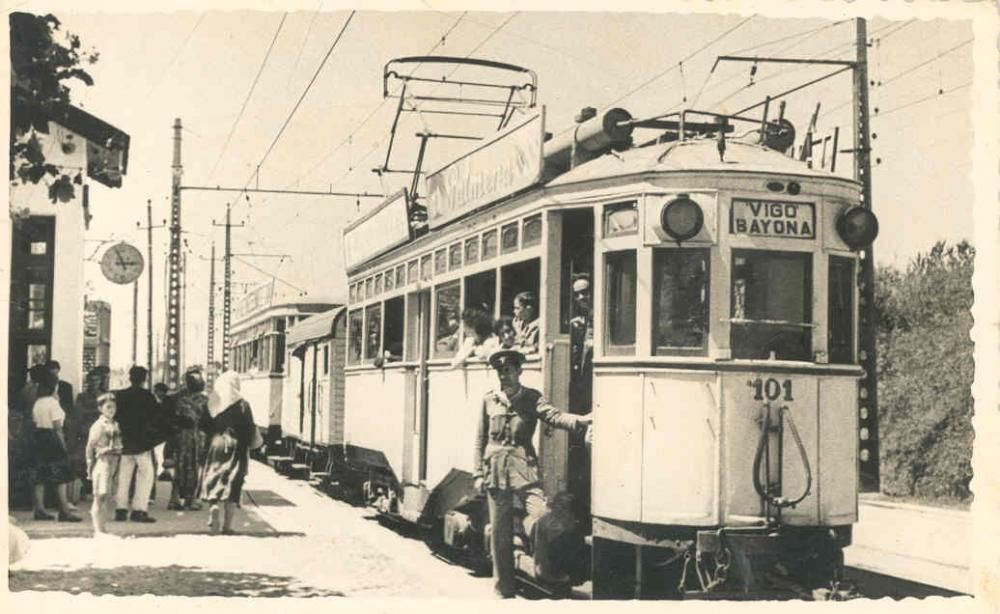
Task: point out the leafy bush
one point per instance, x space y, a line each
925 371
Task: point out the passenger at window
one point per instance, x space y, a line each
448 342
526 321
506 334
480 341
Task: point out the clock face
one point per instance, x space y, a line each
122 263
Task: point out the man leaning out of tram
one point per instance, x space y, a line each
506 467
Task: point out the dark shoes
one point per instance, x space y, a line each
121 515
68 517
141 517
43 515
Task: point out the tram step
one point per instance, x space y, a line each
298 471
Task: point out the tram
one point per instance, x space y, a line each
259 355
724 338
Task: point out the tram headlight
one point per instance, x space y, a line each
858 227
681 218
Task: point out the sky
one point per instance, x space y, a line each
200 66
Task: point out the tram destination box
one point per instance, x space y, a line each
772 218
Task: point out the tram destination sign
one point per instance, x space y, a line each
772 218
499 167
377 231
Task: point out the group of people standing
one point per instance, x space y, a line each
105 443
484 335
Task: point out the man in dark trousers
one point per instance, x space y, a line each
506 465
137 411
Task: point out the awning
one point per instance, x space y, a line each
313 328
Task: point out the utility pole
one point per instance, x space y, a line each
227 276
209 370
149 306
135 319
868 390
173 366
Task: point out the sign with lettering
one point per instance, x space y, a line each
503 165
258 298
772 218
377 231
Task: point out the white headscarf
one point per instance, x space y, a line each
225 392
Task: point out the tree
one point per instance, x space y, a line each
925 374
43 64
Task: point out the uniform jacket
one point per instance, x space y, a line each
505 456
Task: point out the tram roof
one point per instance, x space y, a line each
319 326
700 155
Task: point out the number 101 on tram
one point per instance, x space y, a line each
715 344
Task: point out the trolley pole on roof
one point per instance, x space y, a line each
868 444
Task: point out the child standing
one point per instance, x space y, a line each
104 448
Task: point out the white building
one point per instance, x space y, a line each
46 255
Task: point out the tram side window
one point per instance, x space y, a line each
373 331
680 302
356 335
840 312
620 299
771 305
481 291
447 325
395 316
517 279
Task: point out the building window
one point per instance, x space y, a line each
373 331
355 336
621 219
36 306
39 248
489 244
481 291
840 310
447 320
508 238
680 301
532 230
771 305
395 317
619 305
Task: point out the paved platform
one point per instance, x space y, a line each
247 520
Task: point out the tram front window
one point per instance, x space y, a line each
680 302
620 279
771 305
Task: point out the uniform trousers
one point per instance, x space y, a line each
142 465
501 509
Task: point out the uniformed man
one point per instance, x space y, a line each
506 464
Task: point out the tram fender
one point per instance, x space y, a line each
456 491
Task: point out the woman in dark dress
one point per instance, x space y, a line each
232 434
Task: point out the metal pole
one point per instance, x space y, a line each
183 328
135 319
226 293
173 374
868 390
149 282
209 370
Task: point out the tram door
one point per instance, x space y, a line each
417 352
569 379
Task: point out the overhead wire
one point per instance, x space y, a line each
246 100
302 97
374 111
302 46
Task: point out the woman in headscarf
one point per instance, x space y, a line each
232 435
